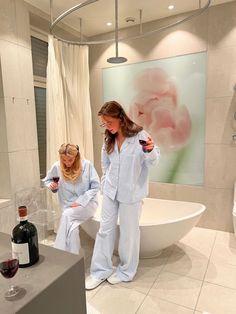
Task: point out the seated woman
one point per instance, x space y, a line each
77 184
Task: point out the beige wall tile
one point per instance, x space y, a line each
220 73
225 35
220 120
26 73
218 214
20 118
7 21
219 162
3 137
7 219
22 24
10 69
24 169
15 123
190 193
162 190
5 182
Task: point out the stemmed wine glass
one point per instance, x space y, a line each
55 179
9 264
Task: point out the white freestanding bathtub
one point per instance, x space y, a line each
162 223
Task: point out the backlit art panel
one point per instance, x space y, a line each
166 97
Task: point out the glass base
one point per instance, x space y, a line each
13 291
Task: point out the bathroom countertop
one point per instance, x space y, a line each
53 285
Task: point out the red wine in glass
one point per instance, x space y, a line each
9 268
9 264
56 180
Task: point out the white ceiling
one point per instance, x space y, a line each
96 15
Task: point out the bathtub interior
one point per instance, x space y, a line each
158 211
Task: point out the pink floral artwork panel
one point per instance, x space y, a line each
167 98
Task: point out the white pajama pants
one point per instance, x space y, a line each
67 238
129 242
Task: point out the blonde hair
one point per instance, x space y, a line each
72 173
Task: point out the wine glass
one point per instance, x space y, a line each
55 179
9 264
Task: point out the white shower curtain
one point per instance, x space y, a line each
69 117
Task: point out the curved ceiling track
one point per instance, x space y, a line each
105 41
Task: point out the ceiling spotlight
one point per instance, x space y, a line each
109 23
171 7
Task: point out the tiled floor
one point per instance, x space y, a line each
196 275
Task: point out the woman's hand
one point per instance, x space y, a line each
149 144
53 186
74 204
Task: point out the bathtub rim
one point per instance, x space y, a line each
199 212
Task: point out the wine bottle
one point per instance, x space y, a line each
25 240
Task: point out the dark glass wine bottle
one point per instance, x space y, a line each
25 240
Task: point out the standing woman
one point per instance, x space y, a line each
124 182
77 183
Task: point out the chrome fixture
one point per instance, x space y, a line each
116 59
141 34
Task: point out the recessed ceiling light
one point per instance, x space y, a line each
109 23
171 7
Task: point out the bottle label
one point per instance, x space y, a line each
22 250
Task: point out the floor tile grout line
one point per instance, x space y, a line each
167 258
213 245
216 284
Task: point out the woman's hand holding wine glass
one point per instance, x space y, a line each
54 184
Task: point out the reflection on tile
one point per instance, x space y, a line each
153 305
116 300
198 240
226 238
143 280
224 254
217 300
222 274
191 265
177 289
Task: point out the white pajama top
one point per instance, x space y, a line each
125 172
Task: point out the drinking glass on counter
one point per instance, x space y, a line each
9 264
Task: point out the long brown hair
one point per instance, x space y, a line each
70 173
128 127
